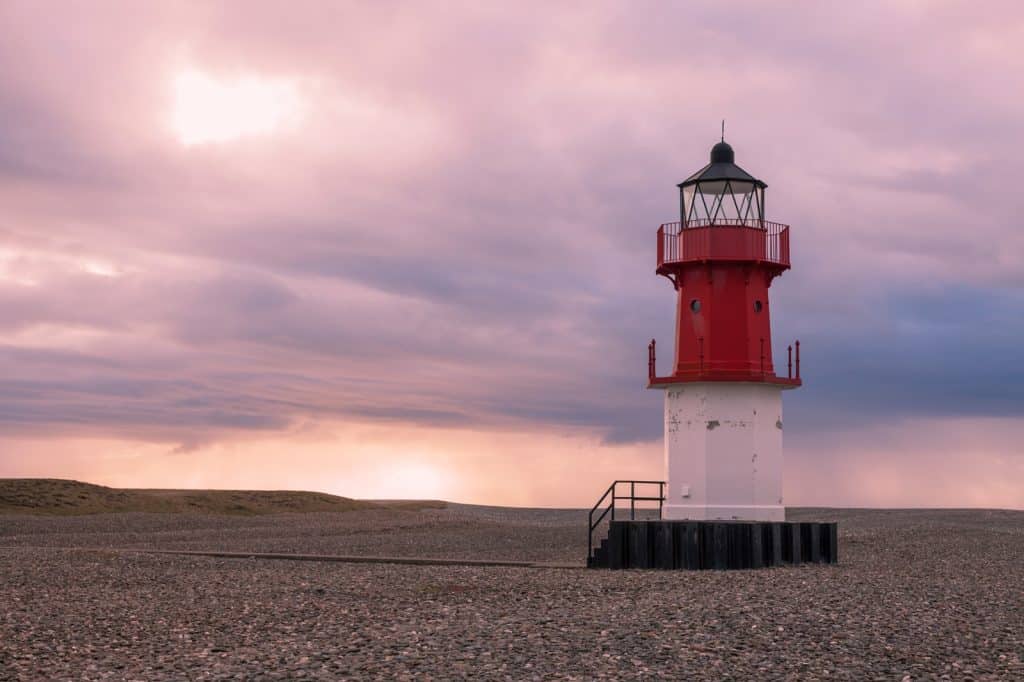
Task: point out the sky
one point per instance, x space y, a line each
407 250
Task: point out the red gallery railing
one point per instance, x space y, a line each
652 361
734 240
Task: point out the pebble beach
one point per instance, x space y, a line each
918 594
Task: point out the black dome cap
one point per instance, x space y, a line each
722 153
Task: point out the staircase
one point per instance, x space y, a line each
598 558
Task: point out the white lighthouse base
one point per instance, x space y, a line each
723 451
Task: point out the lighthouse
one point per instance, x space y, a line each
723 398
720 503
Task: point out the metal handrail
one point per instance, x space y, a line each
758 240
632 497
724 222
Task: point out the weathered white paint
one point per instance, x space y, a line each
723 451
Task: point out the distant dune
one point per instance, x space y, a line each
54 496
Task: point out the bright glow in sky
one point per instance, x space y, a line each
208 109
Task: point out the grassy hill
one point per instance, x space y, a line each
64 497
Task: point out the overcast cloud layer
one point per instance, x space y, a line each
453 236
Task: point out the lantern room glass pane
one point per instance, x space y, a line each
741 187
688 203
712 187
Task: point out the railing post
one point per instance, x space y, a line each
613 500
661 245
590 536
798 359
789 373
632 500
661 498
651 361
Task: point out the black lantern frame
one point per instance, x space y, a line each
721 193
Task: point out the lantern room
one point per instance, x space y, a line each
721 193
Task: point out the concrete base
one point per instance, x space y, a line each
698 545
723 452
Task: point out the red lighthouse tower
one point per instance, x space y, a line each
723 407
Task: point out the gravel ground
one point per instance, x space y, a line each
458 531
918 594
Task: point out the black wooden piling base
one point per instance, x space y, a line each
715 544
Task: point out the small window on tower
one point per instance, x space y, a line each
757 306
695 305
